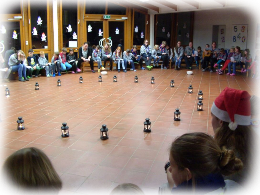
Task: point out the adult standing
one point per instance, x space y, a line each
146 52
85 53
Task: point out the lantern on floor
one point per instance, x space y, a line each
190 89
58 83
177 115
200 106
147 125
172 83
64 130
115 78
200 95
37 87
7 92
80 79
136 79
152 80
20 125
104 132
99 78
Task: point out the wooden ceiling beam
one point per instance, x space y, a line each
192 3
146 5
167 4
222 2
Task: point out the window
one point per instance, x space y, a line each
94 32
39 24
183 28
69 23
139 28
95 7
164 24
13 7
10 35
115 9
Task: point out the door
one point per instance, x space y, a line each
94 32
117 33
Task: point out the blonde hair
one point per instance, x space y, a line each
30 168
42 53
156 46
127 188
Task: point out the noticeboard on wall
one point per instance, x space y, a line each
239 35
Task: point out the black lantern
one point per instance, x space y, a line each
172 83
58 83
177 115
152 80
20 125
99 78
136 79
147 125
64 130
200 106
190 89
7 92
115 78
200 95
104 132
37 87
80 79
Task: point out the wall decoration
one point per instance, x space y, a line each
34 32
168 34
39 21
100 33
258 37
239 35
3 29
117 31
14 34
89 28
43 37
69 28
163 29
142 35
75 36
136 29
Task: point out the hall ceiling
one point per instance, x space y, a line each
173 6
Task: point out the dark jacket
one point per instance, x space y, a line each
89 52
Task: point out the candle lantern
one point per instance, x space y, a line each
200 95
190 89
115 78
152 80
64 130
177 115
104 132
37 87
99 78
200 106
20 125
7 92
172 83
59 83
147 125
80 79
136 79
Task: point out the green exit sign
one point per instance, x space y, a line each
106 16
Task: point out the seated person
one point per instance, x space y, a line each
128 59
30 169
107 56
246 60
198 56
43 63
96 56
33 63
230 54
178 55
5 70
164 55
145 52
156 55
235 60
71 59
206 57
56 64
221 59
118 59
189 55
64 64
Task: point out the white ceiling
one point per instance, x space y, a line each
203 5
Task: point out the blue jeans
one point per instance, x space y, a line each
233 64
65 66
155 60
98 60
131 62
178 62
118 64
21 70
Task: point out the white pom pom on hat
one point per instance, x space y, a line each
232 106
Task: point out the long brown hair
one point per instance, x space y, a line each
201 154
30 168
244 141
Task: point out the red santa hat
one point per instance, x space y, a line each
232 106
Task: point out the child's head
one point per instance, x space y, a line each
134 48
231 50
71 51
207 45
156 47
247 51
195 155
222 50
237 49
30 52
106 46
118 49
56 54
199 48
127 188
64 50
127 51
42 54
97 48
163 43
254 101
30 168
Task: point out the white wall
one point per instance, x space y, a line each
204 21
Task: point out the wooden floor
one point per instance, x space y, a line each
84 162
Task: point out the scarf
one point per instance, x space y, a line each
204 185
